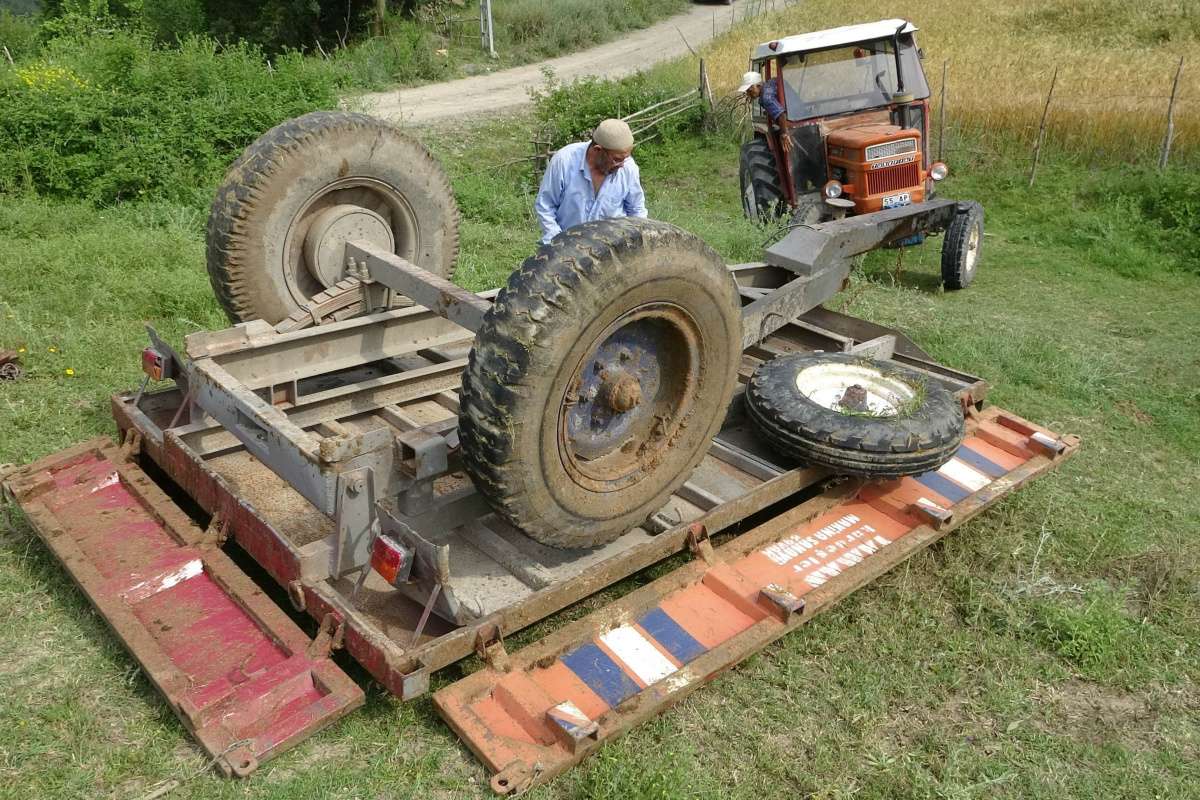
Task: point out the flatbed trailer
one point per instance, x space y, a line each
375 461
248 683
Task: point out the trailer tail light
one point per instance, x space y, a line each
391 559
156 365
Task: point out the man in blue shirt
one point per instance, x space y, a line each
767 95
591 180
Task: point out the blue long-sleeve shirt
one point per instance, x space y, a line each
769 100
566 197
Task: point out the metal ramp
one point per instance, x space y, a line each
245 680
532 715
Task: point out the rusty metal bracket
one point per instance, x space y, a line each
489 645
295 591
698 542
131 444
217 532
329 637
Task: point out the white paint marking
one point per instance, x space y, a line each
107 482
964 475
569 709
638 654
148 588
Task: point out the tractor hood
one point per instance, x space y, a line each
857 137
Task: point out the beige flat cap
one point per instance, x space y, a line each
613 134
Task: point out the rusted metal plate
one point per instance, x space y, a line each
241 675
530 716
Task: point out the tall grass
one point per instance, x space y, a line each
1116 61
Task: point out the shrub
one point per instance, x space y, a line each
405 55
568 112
113 118
19 33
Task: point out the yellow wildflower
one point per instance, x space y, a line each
70 373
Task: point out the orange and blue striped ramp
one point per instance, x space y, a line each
558 699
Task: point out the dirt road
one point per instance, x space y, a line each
483 95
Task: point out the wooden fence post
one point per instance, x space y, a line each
1041 134
1170 134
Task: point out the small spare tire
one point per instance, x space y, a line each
854 415
280 219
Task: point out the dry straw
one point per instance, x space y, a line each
1116 62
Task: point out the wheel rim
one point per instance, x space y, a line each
972 250
856 389
340 209
626 400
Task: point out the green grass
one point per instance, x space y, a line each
1046 649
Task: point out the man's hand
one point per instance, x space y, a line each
785 142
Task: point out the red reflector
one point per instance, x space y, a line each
153 363
391 560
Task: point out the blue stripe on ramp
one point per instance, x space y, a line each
980 462
946 488
601 674
670 635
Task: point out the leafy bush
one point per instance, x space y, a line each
112 118
550 28
568 112
405 55
19 33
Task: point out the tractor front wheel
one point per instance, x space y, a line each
961 247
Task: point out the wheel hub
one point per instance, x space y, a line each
325 242
629 396
855 389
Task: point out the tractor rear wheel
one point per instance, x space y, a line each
288 205
762 193
599 378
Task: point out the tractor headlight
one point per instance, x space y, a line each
938 171
833 190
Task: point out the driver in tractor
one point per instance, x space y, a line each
767 94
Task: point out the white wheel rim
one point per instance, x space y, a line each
826 384
972 249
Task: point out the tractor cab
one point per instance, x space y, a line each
855 111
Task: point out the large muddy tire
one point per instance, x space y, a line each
599 378
281 217
762 194
904 425
962 246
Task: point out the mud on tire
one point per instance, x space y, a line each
923 436
281 184
616 314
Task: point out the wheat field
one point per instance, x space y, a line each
1116 62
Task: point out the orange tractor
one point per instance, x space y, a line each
841 127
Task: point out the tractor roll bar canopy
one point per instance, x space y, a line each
834 37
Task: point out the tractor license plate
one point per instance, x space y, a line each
897 200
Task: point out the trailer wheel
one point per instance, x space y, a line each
762 195
961 247
853 415
280 219
599 378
